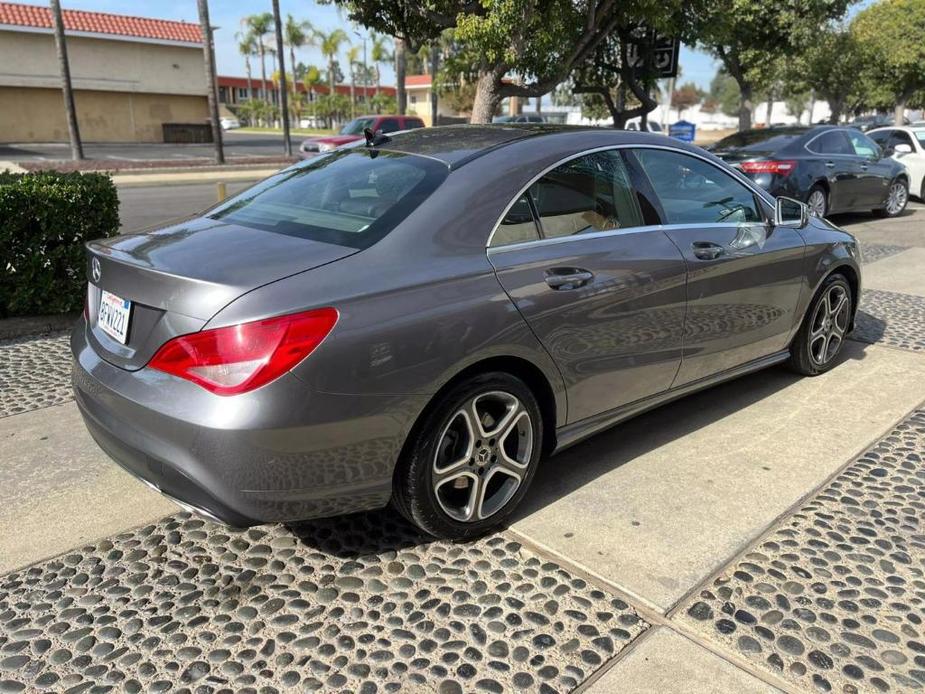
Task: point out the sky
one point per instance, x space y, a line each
696 66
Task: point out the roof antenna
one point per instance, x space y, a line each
375 138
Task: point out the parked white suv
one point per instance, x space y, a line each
651 126
906 145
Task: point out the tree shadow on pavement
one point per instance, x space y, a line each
582 464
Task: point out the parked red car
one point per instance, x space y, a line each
353 131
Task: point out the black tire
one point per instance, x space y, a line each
889 211
805 350
818 190
414 493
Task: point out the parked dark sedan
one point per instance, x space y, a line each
830 168
421 318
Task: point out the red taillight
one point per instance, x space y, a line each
775 167
239 358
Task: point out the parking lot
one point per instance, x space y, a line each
765 535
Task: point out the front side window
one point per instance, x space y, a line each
863 146
584 195
831 142
692 191
351 197
356 126
881 137
900 137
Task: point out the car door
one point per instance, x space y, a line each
876 170
603 292
841 167
744 275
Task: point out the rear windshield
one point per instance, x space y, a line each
350 197
758 140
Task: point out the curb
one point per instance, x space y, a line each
187 178
34 326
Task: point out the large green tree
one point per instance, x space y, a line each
748 36
540 42
891 37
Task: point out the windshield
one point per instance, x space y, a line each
350 197
759 140
355 127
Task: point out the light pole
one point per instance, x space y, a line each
363 37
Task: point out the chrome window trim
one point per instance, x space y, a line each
825 132
732 173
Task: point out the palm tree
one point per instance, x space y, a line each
330 46
77 151
380 54
247 47
259 25
353 55
311 80
209 59
295 35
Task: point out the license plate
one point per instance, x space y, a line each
114 315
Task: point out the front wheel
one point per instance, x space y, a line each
472 457
824 330
896 199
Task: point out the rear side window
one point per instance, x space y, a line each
692 191
518 225
587 194
831 142
350 197
389 125
412 123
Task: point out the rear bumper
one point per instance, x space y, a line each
278 454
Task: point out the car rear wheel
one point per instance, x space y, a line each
825 327
471 459
818 201
896 199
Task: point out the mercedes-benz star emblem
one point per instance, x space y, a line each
95 271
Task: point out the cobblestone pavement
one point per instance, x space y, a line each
872 252
834 597
892 319
352 604
34 373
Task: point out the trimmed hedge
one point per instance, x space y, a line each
45 219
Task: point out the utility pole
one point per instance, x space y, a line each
77 150
283 92
209 55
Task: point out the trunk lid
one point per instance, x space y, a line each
180 276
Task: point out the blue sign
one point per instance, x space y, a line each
682 130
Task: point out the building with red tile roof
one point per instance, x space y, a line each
130 75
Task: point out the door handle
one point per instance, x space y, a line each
568 278
707 250
830 165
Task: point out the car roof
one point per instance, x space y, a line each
457 144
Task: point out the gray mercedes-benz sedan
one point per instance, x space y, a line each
420 318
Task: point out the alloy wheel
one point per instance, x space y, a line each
896 200
482 456
817 203
829 325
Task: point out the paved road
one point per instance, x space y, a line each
144 207
765 535
236 145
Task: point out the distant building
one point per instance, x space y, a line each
130 75
233 91
419 88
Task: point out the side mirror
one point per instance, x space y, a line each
790 213
902 148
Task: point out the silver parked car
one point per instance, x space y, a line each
419 319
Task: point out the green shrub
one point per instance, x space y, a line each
45 219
